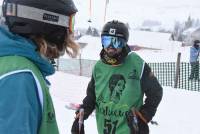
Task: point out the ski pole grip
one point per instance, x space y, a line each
80 121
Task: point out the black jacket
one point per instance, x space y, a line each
150 87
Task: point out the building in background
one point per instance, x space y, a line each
190 35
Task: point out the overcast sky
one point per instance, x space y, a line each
136 11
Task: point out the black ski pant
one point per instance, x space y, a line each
194 70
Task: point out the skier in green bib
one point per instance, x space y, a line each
36 32
120 81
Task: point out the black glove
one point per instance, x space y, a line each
132 122
136 124
75 127
143 127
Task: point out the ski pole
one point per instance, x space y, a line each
135 120
80 121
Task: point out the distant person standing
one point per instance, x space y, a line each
194 60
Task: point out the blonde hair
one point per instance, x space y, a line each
51 50
72 48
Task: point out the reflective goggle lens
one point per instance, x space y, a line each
116 42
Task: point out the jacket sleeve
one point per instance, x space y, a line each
153 92
90 100
19 104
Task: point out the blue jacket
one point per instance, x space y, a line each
194 54
19 101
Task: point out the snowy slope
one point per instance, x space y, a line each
178 112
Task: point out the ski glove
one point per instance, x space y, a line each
78 124
75 127
132 121
135 123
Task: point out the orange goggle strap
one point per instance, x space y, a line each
71 23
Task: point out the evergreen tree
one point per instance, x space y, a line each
189 23
197 23
178 29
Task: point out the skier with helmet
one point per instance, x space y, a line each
119 81
194 60
37 32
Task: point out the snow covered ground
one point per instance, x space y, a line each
178 112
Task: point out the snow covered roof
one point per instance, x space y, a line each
149 39
191 30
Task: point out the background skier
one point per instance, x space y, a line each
194 60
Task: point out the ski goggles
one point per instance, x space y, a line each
116 42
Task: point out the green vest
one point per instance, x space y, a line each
17 63
117 90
